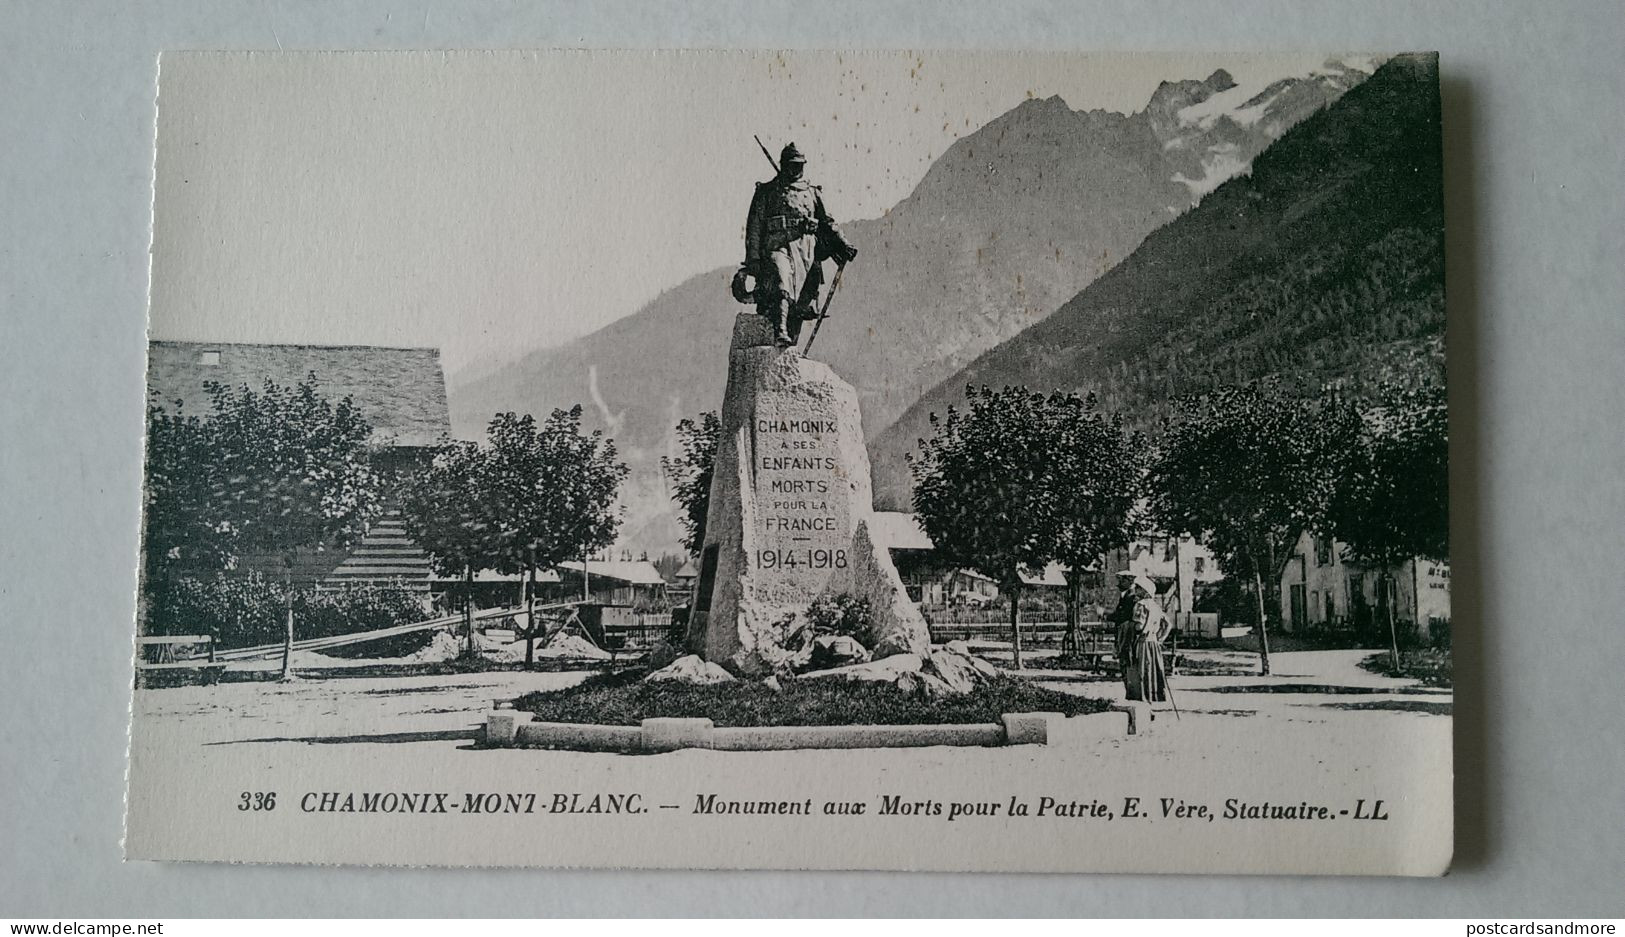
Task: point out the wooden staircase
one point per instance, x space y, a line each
385 556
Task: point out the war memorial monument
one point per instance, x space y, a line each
791 497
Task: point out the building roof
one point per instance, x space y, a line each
401 391
636 572
1053 574
689 571
898 530
491 575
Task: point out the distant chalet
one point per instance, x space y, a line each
400 391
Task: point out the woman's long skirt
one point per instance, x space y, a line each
1142 671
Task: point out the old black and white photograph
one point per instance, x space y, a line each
805 460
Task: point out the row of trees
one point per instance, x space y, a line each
282 471
1016 480
533 495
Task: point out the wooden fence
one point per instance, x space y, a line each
1033 633
339 640
992 614
644 631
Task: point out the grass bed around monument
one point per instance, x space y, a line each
623 699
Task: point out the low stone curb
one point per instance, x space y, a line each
508 728
1138 712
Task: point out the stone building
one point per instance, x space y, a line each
1322 587
1049 582
1182 569
932 584
400 391
928 581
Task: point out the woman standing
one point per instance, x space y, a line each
1140 646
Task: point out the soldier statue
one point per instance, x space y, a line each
788 236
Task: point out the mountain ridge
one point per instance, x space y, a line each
1007 224
1324 264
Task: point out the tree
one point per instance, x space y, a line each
551 490
668 565
1392 501
1250 468
181 529
983 492
1095 471
277 471
445 509
690 474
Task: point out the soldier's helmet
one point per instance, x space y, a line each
791 154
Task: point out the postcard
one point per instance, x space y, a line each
796 460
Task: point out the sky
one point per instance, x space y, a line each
489 203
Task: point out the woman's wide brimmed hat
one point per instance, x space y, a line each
1141 582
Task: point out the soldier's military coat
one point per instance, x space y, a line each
781 239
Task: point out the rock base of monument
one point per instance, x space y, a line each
788 518
941 671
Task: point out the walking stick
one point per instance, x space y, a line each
824 312
1167 686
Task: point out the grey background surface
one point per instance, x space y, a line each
1537 331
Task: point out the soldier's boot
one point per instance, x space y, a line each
792 324
780 317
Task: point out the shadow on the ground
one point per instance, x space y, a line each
444 735
407 691
1051 676
1326 688
1397 705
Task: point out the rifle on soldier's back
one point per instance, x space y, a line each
770 160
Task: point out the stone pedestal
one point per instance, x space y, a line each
790 501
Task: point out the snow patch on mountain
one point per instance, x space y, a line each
612 421
1235 104
1247 103
1364 64
1208 126
1221 164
